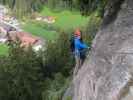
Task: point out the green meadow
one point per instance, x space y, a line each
64 20
3 49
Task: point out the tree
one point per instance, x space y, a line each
58 57
20 75
88 6
23 7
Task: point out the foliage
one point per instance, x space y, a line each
89 32
24 73
88 6
55 87
59 4
85 6
20 75
3 49
58 57
23 7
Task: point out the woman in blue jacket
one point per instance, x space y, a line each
80 50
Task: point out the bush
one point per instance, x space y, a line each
89 32
54 88
20 75
58 57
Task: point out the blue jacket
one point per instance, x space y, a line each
79 46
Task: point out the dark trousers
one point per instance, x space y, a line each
79 59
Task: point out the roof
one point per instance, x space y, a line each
25 38
6 27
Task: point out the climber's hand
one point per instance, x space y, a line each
88 48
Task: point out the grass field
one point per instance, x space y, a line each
37 30
3 49
66 19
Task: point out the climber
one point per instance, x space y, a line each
80 49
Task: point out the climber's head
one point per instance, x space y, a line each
77 33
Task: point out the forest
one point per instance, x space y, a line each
23 7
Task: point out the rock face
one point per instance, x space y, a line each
107 73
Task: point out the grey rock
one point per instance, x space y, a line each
108 71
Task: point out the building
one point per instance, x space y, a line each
26 39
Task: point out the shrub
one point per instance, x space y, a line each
89 32
54 88
20 75
58 57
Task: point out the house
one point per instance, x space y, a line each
25 38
